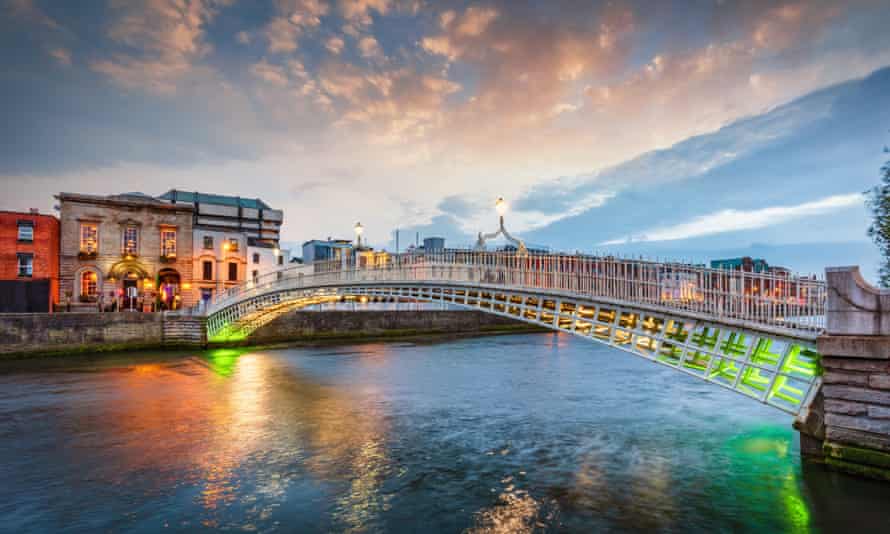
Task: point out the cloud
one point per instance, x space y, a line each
335 45
359 11
474 21
370 48
294 17
27 10
242 37
732 220
273 74
62 55
168 37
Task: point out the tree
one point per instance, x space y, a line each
878 201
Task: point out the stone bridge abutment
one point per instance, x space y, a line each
855 349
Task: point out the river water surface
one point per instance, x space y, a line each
537 432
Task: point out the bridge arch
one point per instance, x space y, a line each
763 363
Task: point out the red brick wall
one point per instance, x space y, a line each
45 248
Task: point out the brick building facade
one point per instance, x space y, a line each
29 262
125 251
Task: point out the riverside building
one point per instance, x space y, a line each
125 252
227 231
29 262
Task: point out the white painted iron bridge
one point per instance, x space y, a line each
753 333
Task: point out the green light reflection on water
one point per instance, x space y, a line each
223 361
764 457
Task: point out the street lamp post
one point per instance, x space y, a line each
501 207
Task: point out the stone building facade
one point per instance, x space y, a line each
127 251
220 261
226 229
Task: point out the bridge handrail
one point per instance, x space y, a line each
778 300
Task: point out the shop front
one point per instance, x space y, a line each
170 288
131 288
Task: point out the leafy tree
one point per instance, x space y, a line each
878 201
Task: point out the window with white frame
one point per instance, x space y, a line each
131 240
26 264
168 242
89 238
26 231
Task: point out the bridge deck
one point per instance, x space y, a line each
752 333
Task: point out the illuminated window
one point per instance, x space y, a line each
131 240
233 244
26 231
208 242
233 272
88 284
207 267
89 238
26 264
168 242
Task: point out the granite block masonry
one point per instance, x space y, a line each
856 379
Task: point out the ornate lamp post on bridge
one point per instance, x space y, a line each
501 207
359 230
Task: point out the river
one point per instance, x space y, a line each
519 433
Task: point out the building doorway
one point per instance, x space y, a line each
169 289
131 293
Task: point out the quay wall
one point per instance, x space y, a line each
299 325
63 333
27 333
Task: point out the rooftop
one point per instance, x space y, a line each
207 198
129 199
329 242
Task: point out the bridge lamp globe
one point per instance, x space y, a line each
359 230
501 206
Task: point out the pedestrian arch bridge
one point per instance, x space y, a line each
753 333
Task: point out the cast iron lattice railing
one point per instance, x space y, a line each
777 370
788 304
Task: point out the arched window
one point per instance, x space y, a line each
89 284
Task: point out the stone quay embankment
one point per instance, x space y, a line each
69 333
389 323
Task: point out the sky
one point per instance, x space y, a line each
682 129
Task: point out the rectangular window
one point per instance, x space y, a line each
89 238
255 275
208 242
256 257
233 272
26 231
131 240
233 244
168 242
207 267
280 260
26 264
